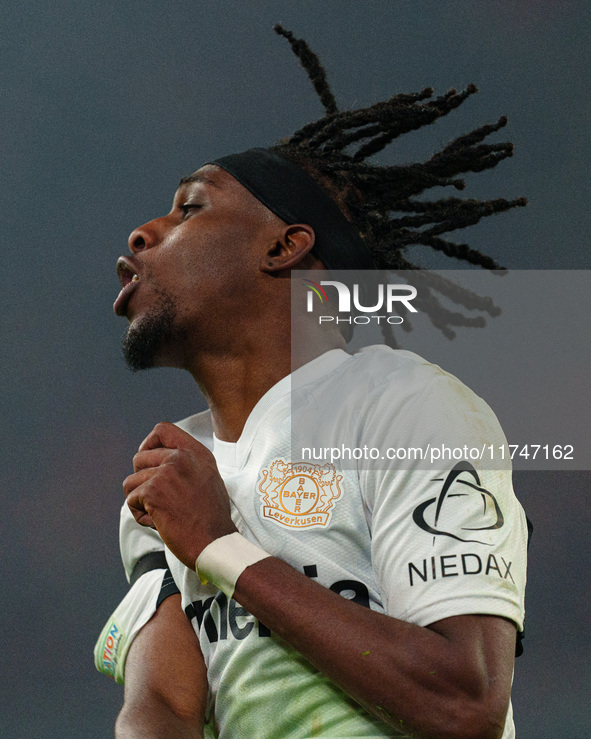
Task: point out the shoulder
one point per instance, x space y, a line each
398 399
386 381
380 367
375 368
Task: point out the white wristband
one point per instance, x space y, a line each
225 559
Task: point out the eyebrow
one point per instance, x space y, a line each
197 178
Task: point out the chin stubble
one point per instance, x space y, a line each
147 338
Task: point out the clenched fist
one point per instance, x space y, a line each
177 489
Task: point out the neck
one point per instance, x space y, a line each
234 382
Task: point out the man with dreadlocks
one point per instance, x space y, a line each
358 623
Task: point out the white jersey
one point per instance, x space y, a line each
416 544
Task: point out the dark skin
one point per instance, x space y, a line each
165 679
220 253
229 256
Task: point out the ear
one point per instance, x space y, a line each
290 248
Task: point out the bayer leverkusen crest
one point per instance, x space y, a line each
299 495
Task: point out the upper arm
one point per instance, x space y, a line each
449 537
165 678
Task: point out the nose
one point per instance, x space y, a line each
144 237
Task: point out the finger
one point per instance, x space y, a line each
151 458
140 515
134 491
133 481
167 435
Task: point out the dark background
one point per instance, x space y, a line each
105 106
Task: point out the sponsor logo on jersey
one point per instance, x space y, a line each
299 495
219 618
441 517
455 565
109 650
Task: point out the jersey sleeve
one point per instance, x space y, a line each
448 537
135 541
126 621
142 552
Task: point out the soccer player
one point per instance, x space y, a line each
297 599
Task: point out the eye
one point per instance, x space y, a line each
186 208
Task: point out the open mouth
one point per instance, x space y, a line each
125 272
129 278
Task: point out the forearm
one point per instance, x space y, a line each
416 679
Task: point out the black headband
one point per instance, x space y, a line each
293 195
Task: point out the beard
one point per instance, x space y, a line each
146 341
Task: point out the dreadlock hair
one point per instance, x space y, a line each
381 201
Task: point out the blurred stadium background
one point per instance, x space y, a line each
105 106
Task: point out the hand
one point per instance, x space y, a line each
177 489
